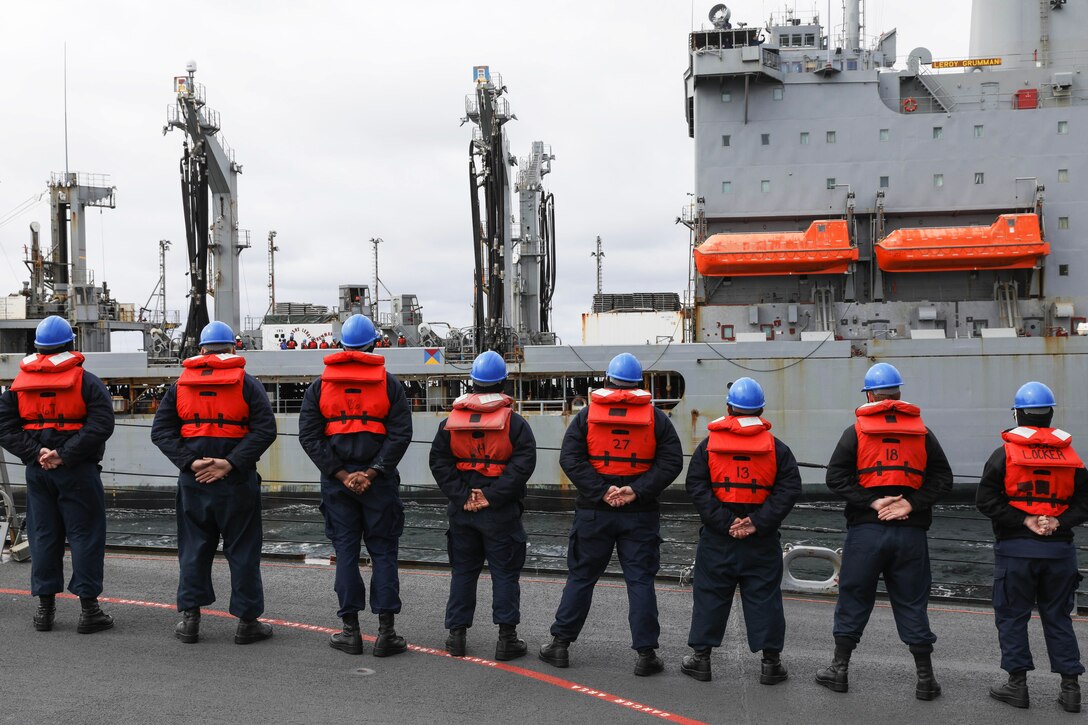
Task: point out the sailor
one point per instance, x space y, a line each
214 424
621 453
1034 489
482 458
291 344
238 344
402 341
743 482
324 345
891 470
355 425
56 418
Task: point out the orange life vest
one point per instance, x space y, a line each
353 394
891 444
1040 465
479 427
209 397
50 391
620 438
740 453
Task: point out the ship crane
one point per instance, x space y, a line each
209 190
514 276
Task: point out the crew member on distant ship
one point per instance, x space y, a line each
621 453
891 470
355 425
1034 488
743 482
214 424
56 418
482 458
291 344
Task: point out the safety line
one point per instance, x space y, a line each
512 669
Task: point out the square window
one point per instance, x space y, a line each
884 182
978 130
1063 270
938 132
851 65
804 138
938 180
1063 222
765 185
831 137
980 178
831 182
727 186
727 96
784 41
810 39
725 140
777 92
765 139
796 40
1063 127
1063 175
885 134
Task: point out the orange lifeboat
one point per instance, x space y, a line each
1012 242
823 249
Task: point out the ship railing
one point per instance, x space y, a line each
770 59
542 406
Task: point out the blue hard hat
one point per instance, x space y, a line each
880 376
215 333
53 331
625 367
488 367
1033 395
358 331
746 394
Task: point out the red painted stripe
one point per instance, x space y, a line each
512 669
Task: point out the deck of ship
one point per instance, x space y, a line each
138 672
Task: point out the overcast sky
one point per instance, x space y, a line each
345 118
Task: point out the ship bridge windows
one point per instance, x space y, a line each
810 39
851 64
1063 175
1063 127
831 137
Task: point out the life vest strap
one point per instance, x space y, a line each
737 484
631 460
365 418
879 468
218 421
38 420
1028 498
486 461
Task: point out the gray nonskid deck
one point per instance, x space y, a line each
139 673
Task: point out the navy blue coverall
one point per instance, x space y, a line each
229 508
754 563
1032 570
67 501
376 516
634 531
494 533
896 550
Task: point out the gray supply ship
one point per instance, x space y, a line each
847 210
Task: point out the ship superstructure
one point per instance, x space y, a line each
840 196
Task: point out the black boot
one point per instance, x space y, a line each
697 665
648 662
556 654
509 647
47 612
250 631
91 617
456 643
1013 692
388 643
348 639
927 687
771 671
836 676
1069 695
188 629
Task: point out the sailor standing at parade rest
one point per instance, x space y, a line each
1034 488
482 458
214 424
620 453
891 470
743 482
56 418
355 425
